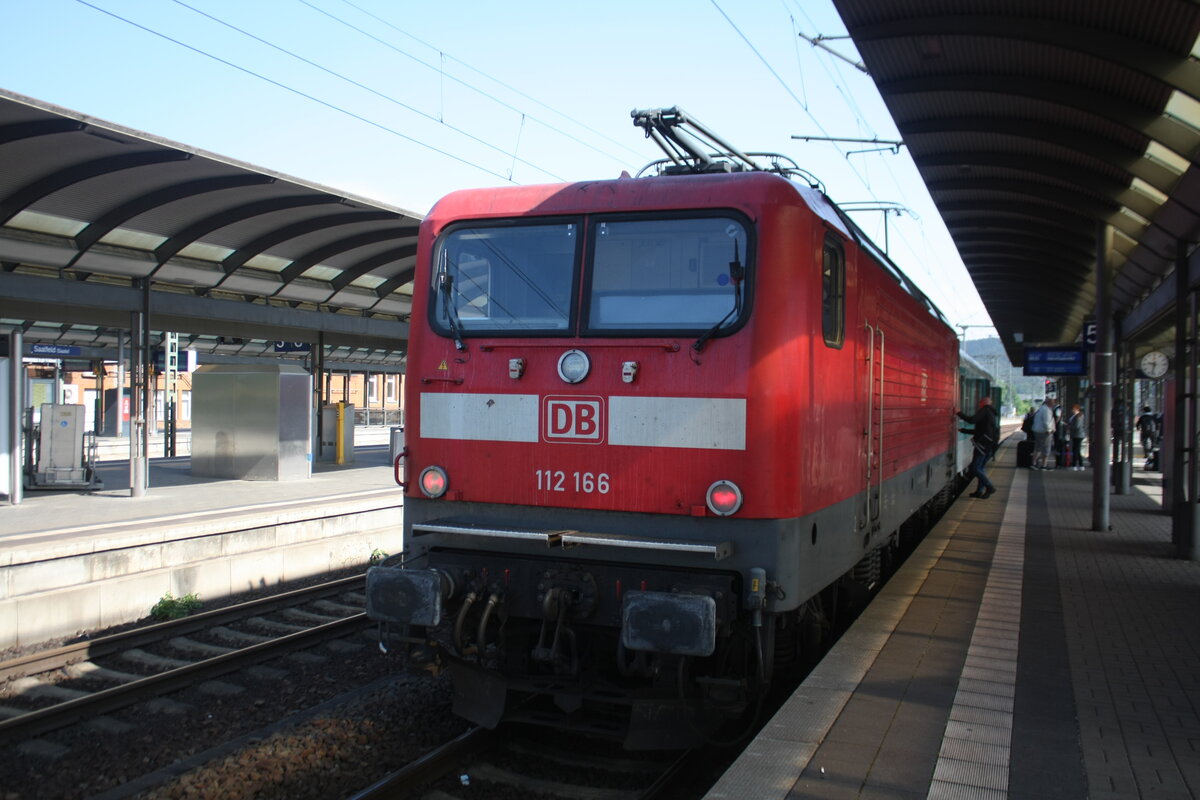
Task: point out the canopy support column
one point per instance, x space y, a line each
1184 476
16 411
1102 428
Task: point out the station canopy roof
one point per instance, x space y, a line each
236 257
1033 122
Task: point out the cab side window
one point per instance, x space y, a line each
833 291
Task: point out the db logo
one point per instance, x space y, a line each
573 419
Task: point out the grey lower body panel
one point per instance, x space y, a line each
801 555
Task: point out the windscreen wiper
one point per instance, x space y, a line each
446 289
737 272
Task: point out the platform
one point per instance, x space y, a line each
73 561
1016 654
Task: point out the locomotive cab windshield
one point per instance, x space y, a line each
503 279
642 275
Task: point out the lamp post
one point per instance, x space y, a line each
964 328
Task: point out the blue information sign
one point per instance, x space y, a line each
292 347
53 350
1055 361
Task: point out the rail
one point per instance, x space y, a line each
528 764
68 712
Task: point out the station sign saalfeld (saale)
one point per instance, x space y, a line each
54 350
1055 361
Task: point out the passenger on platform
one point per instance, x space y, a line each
1060 436
1076 430
1043 434
985 438
1147 426
1027 424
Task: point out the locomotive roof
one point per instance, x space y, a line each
745 190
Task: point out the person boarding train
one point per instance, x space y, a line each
985 438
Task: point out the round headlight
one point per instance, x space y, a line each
724 498
573 366
433 482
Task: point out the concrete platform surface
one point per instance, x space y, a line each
73 561
176 495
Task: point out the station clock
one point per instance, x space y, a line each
1154 364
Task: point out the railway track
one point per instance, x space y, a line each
509 763
53 689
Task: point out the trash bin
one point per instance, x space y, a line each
329 433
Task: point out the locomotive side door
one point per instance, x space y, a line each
876 352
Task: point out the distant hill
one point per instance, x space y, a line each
991 355
984 347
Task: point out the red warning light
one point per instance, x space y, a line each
724 498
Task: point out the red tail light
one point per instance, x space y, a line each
433 482
724 498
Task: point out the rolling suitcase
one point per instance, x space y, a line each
1025 453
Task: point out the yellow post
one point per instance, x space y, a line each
341 433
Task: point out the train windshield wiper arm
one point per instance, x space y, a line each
736 273
446 289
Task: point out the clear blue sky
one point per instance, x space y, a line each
403 102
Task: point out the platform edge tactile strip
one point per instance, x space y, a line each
974 758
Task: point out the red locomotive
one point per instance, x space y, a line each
653 424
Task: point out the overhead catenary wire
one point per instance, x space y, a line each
796 51
364 87
293 90
839 81
512 155
446 56
760 57
779 79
